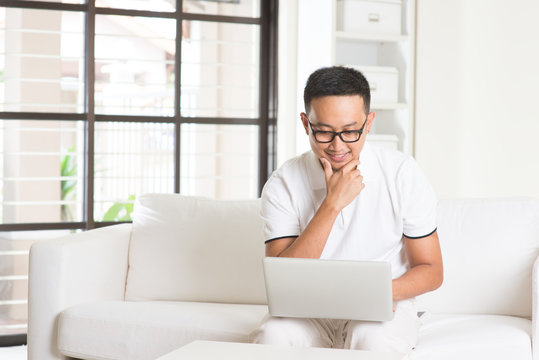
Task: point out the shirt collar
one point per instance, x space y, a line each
367 164
317 177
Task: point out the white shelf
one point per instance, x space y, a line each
366 50
382 137
389 141
370 37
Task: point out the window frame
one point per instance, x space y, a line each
266 121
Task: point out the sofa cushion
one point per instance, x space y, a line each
196 249
489 247
490 337
146 330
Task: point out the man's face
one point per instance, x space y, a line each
337 113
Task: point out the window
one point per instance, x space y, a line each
105 100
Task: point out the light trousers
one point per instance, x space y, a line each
399 334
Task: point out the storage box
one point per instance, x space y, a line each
369 16
383 81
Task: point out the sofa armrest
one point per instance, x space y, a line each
535 310
84 267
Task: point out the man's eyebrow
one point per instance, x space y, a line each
329 126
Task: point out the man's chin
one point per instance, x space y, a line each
336 166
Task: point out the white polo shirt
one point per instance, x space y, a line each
397 199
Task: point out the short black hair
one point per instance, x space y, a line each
336 80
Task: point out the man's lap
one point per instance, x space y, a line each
399 334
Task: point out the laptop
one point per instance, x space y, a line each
329 289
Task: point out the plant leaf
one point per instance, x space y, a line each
113 212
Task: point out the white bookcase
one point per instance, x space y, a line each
365 34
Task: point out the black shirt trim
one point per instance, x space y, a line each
421 237
280 237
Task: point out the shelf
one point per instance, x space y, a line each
385 140
370 37
388 106
382 137
373 50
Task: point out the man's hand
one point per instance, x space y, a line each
342 188
344 185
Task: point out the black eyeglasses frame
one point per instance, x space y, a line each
337 133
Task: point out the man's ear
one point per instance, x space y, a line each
305 122
370 119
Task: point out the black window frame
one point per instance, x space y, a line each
267 104
267 97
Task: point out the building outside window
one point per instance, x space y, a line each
101 102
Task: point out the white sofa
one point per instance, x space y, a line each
190 268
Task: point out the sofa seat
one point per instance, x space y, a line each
449 337
146 330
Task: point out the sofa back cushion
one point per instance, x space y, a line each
489 248
196 249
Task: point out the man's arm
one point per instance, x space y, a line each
426 268
342 188
311 242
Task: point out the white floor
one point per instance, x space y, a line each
13 353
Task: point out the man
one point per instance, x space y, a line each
348 200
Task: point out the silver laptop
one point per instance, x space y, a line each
329 289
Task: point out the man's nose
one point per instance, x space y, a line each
337 142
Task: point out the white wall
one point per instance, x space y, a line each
314 51
477 92
305 45
287 81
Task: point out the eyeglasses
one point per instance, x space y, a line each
347 136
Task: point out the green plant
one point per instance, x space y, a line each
120 211
68 184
